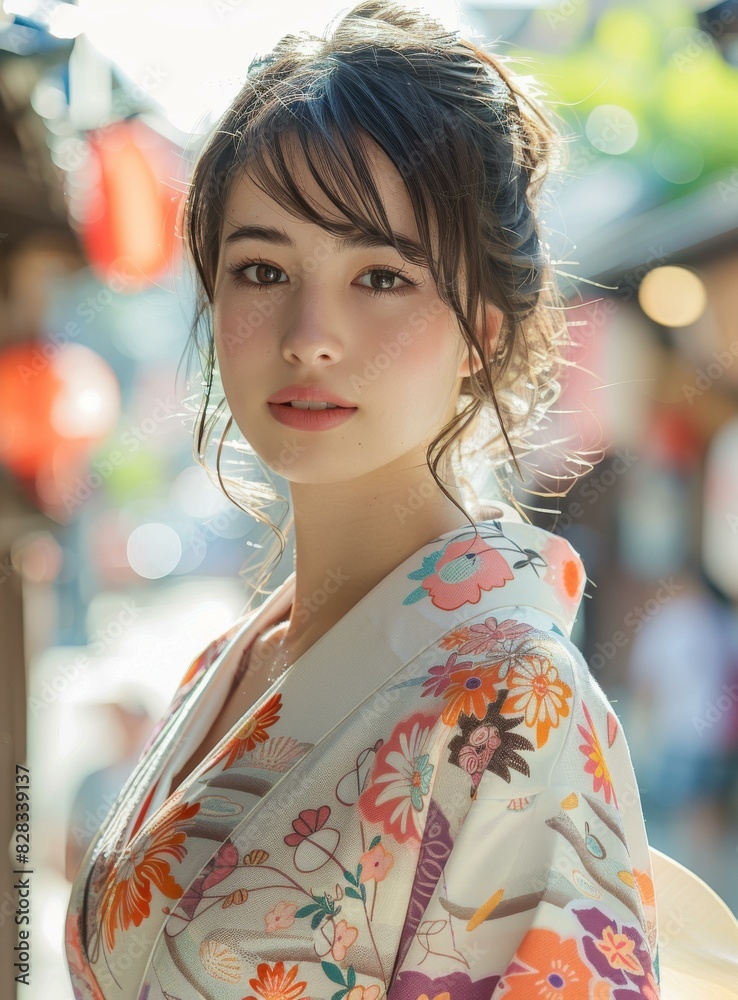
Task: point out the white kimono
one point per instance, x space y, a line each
435 802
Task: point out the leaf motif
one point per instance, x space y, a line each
362 887
351 977
416 595
306 910
317 917
359 869
256 857
333 973
374 842
352 893
350 878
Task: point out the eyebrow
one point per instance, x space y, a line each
358 241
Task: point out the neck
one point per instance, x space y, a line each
350 536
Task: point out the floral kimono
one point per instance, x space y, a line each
435 801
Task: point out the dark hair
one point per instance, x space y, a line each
473 149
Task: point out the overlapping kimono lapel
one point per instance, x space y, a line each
429 594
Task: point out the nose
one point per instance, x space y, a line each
311 336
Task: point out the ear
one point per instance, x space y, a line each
493 317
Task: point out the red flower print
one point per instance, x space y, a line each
470 692
459 573
596 764
275 984
400 780
314 842
309 821
253 731
127 897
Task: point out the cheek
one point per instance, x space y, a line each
237 328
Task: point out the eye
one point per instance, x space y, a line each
388 275
239 270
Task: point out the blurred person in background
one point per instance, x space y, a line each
683 675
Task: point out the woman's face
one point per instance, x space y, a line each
303 308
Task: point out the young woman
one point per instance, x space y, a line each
397 776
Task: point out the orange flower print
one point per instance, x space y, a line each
127 897
565 570
554 970
455 638
375 864
535 688
596 764
281 916
470 692
363 993
458 573
253 731
276 984
619 950
343 938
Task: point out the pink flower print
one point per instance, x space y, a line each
477 753
343 939
459 573
375 864
596 764
281 917
489 636
363 993
440 675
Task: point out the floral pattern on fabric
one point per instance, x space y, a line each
396 828
488 744
126 898
596 762
400 780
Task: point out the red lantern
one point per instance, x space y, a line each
132 204
59 403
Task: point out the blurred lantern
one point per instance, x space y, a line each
131 205
59 403
720 509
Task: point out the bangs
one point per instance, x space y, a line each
330 131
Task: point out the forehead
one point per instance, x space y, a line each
248 202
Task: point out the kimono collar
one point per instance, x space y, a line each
510 563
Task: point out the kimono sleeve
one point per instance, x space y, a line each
547 890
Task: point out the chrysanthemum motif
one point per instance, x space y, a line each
275 983
251 733
126 899
535 688
488 745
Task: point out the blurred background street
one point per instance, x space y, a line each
120 561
